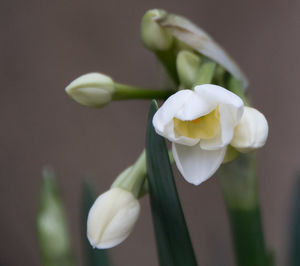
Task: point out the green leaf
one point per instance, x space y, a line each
53 234
94 257
295 226
172 237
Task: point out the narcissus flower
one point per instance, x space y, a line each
200 124
112 218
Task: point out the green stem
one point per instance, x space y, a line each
238 182
168 59
125 92
134 178
294 258
219 76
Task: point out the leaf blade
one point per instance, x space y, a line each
172 237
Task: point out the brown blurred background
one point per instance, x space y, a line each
46 44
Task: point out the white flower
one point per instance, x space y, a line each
200 124
112 218
251 132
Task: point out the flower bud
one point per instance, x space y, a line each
112 218
197 39
251 132
154 37
92 90
187 64
52 229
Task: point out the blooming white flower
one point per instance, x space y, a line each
251 132
112 218
200 124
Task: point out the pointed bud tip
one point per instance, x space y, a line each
92 90
153 36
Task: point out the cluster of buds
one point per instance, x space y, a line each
207 118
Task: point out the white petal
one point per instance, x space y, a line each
231 109
217 94
120 227
112 218
225 135
195 164
167 111
195 107
251 132
184 105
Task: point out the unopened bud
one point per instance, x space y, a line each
153 35
93 90
53 234
187 64
112 218
251 132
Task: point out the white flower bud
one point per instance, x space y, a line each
112 218
251 132
153 35
92 90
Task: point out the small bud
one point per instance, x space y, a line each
251 132
112 218
92 90
187 64
153 35
53 233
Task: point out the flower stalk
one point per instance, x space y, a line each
133 178
168 60
238 181
127 92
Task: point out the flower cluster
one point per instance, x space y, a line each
207 124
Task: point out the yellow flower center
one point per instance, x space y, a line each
204 127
